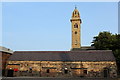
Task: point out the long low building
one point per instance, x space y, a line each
88 63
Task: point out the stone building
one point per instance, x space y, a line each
79 62
90 63
5 53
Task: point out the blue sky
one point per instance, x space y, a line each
46 26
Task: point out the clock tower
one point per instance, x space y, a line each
76 29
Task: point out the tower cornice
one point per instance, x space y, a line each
76 20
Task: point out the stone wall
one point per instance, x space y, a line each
5 57
62 69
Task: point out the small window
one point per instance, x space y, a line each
85 71
78 14
30 70
48 71
75 32
76 25
66 71
75 12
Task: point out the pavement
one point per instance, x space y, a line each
53 78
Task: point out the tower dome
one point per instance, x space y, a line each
75 13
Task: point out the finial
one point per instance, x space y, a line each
75 7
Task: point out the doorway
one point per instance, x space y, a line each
10 73
106 72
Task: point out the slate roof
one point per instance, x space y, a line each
87 55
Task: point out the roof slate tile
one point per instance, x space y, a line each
88 55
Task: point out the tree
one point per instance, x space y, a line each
108 41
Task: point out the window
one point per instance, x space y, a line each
75 12
48 71
65 71
75 32
78 14
30 70
85 71
76 25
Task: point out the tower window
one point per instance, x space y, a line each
78 14
75 12
75 32
76 25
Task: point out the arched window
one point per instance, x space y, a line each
76 25
75 12
78 14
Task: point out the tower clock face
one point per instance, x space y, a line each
76 25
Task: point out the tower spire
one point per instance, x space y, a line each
75 7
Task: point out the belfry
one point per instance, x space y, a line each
76 29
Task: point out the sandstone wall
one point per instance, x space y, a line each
63 69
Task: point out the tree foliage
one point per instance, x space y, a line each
108 41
